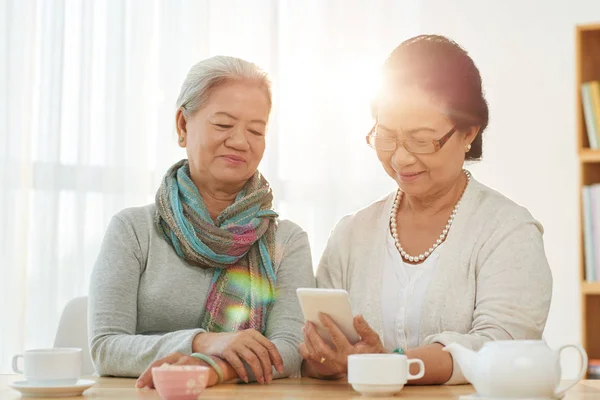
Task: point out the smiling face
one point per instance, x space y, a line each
225 139
415 115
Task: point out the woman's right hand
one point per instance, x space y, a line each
247 345
326 362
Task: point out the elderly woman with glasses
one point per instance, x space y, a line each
443 258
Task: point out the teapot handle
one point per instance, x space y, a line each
560 392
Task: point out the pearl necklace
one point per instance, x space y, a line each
422 256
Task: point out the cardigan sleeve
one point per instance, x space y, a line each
513 291
332 269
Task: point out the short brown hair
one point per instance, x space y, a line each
439 65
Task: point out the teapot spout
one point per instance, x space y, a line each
466 359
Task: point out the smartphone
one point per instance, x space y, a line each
333 302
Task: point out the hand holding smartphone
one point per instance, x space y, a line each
333 302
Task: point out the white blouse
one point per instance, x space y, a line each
403 291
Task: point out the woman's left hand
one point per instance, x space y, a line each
145 380
333 362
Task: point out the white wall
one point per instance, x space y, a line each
525 52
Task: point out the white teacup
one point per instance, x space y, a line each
381 374
50 367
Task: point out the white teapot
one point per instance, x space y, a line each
515 368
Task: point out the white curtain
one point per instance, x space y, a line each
87 93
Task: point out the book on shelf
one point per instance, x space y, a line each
590 99
593 369
590 197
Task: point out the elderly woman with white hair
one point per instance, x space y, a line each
207 274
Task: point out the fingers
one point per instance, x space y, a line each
364 330
339 339
312 352
263 357
322 349
146 378
188 360
234 360
273 353
303 350
255 364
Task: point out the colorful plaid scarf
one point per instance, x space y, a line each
239 245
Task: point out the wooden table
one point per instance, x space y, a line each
124 389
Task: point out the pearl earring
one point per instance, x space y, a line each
467 148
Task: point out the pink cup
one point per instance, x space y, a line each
180 382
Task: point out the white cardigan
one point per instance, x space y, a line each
492 282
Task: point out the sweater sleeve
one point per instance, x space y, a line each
115 347
285 320
331 271
513 292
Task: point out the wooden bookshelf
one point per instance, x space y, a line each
589 156
590 288
587 69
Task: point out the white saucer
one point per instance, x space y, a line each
479 397
377 390
28 390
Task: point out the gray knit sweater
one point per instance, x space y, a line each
145 302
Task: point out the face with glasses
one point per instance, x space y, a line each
418 145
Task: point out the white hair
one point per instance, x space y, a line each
204 76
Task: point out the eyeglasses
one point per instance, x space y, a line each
415 146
